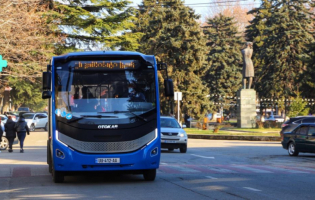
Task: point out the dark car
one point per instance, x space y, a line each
300 139
293 122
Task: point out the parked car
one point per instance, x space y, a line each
26 109
293 122
36 120
300 139
276 118
3 118
172 135
14 115
5 142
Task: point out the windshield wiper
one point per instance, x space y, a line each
89 116
115 112
140 117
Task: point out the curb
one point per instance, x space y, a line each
235 137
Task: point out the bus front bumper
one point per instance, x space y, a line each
67 159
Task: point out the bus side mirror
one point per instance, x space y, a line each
46 94
46 80
169 87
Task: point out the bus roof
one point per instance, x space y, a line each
98 54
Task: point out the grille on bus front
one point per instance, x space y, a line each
107 147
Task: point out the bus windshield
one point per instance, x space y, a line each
102 92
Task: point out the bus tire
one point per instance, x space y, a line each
149 175
46 127
49 161
58 177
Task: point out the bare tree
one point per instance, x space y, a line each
237 9
27 43
26 40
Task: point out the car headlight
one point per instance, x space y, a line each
182 134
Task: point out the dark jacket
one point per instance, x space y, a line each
21 126
9 128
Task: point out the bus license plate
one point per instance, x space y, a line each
169 141
107 160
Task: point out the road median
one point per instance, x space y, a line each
234 137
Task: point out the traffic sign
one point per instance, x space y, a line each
3 63
178 96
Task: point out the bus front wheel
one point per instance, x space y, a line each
58 177
149 175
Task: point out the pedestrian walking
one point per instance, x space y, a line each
21 129
9 128
1 132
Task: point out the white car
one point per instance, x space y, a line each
276 118
172 135
3 118
36 120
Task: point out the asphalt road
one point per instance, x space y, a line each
211 169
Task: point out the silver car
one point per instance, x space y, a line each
36 120
172 135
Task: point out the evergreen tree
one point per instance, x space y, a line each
255 33
286 31
224 58
309 76
94 24
171 32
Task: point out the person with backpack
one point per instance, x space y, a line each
21 129
10 132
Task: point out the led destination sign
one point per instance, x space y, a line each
107 64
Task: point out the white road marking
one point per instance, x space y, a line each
285 170
202 156
252 189
211 177
221 170
163 163
252 169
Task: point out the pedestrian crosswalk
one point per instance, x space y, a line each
233 169
167 168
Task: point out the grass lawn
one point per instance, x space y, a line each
249 132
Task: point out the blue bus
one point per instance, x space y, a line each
104 113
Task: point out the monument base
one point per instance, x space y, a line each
246 109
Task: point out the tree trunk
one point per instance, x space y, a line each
6 103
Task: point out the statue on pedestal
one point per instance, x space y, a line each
248 67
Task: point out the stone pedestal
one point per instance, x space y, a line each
246 109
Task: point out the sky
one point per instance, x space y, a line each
201 7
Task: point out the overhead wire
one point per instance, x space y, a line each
215 4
